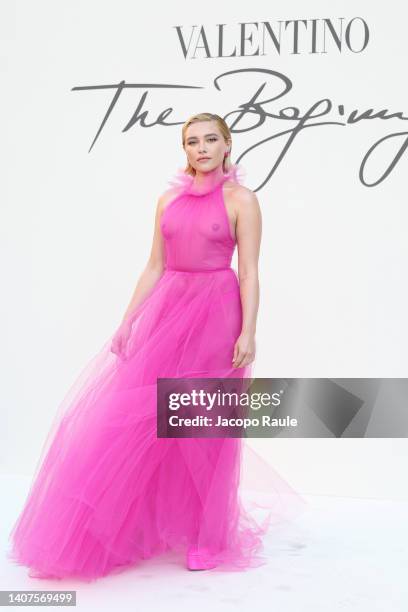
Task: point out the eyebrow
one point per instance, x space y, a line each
212 134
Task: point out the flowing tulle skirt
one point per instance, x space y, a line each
107 492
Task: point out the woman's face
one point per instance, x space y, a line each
204 140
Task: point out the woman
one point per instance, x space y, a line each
108 491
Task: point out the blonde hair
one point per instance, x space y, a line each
224 129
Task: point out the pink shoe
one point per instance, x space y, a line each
199 559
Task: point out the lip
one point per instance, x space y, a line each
203 158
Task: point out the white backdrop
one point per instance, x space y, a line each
77 222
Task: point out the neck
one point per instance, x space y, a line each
204 181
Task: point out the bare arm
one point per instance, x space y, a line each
249 231
155 264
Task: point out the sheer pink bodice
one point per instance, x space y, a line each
196 228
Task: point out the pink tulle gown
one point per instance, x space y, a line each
107 492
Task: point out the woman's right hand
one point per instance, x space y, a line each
120 339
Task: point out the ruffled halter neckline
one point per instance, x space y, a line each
186 182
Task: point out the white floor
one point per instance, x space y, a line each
341 554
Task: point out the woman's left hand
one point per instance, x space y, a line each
244 350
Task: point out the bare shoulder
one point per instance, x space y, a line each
167 196
240 196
